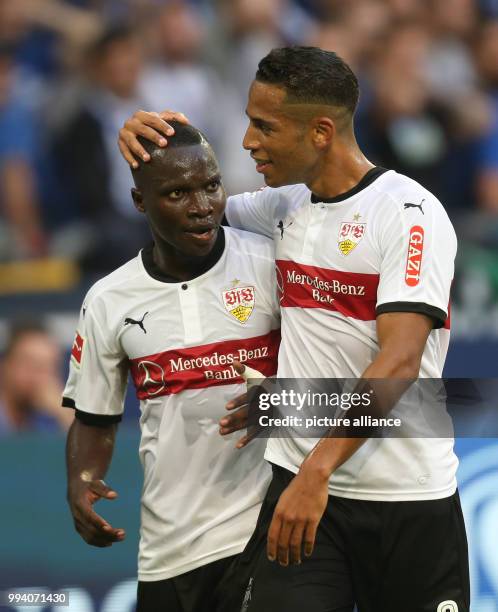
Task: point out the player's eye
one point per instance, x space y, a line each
263 127
175 195
213 186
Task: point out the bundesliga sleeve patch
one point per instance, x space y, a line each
414 257
77 348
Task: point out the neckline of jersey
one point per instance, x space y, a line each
365 181
155 274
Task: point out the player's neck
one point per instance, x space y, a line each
341 170
181 267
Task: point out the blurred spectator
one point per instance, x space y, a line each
248 30
89 162
450 70
410 129
354 31
487 64
30 383
402 129
403 10
176 77
47 37
428 108
21 231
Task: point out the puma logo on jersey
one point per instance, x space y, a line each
283 227
414 257
411 205
130 321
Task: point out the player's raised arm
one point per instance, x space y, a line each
150 125
88 456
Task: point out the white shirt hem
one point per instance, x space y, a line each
171 572
369 495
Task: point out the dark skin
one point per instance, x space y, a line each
315 145
184 206
183 198
88 456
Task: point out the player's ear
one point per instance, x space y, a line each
323 132
138 200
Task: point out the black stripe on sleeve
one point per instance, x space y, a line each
438 315
68 402
97 420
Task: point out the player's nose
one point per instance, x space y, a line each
250 142
200 204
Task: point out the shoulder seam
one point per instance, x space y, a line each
110 287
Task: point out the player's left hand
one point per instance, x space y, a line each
238 419
297 515
235 422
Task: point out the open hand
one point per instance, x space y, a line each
92 527
153 126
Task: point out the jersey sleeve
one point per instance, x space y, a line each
417 260
252 212
271 293
98 372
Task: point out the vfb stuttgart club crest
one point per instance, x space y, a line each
350 234
239 302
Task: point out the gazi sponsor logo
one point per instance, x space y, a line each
414 257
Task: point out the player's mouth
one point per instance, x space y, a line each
262 165
202 233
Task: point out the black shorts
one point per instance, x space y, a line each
382 556
194 591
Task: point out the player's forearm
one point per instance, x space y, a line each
328 455
88 452
401 365
388 376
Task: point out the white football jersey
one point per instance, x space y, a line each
201 496
385 246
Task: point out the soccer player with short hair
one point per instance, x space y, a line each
177 316
365 260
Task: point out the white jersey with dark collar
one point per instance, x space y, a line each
385 246
201 496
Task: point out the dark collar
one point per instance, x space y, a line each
369 178
204 265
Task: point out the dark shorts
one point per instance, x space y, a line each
382 556
194 591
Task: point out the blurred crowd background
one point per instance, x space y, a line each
72 71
